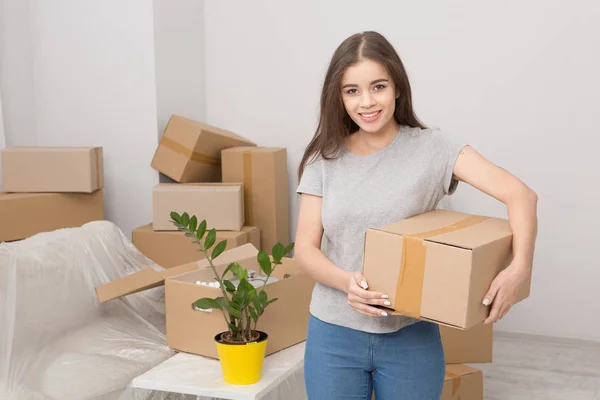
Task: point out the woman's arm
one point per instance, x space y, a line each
317 265
521 202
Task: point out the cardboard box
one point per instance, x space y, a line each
474 345
149 278
172 248
462 383
193 331
263 170
220 204
190 151
439 265
25 214
52 169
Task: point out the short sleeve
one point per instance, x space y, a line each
311 181
446 150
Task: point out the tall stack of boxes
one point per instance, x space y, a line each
240 189
48 188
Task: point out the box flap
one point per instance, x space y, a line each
454 371
149 278
452 228
182 187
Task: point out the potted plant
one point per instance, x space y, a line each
242 347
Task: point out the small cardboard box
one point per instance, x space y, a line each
190 151
149 278
220 204
52 169
263 171
25 214
439 265
172 248
462 383
474 345
193 331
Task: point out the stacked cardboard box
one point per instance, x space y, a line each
240 189
48 188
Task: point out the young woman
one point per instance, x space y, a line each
371 162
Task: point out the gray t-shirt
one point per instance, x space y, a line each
407 177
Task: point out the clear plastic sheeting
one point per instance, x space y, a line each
56 340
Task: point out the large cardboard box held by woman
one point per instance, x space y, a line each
439 265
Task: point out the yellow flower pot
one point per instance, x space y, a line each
242 363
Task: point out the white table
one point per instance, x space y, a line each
282 377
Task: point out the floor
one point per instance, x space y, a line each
527 367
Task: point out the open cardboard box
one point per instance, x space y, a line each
439 265
285 321
193 331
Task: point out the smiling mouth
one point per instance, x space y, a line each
370 115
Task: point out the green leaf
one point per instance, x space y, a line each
239 271
201 230
264 261
175 217
193 224
271 301
233 311
206 303
219 248
185 219
253 314
289 248
230 287
233 327
222 301
210 239
262 297
229 267
278 252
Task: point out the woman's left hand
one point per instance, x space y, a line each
504 290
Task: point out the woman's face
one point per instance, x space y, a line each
369 95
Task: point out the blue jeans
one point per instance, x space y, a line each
342 363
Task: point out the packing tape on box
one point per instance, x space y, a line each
189 154
98 155
456 380
409 290
248 198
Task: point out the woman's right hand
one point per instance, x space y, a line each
361 299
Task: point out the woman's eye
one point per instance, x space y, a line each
351 91
379 87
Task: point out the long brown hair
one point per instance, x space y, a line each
334 122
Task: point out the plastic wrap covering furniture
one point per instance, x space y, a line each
56 341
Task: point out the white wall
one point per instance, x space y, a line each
179 56
517 80
82 74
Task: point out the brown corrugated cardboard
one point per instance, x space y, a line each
149 278
285 321
52 169
263 170
25 214
190 151
462 383
220 204
474 345
172 248
439 265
